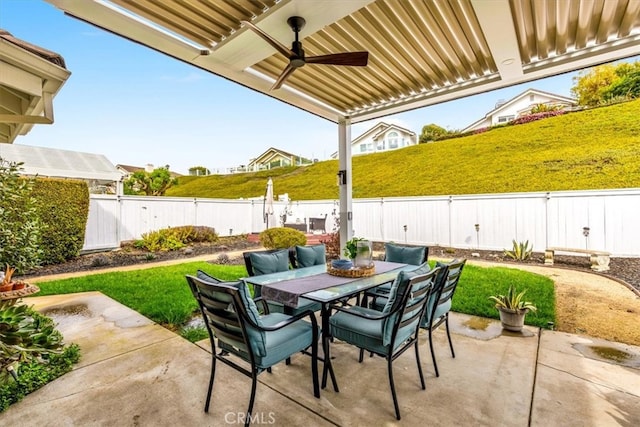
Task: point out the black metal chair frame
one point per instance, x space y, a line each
447 287
411 300
222 322
377 292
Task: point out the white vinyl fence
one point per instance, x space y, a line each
475 221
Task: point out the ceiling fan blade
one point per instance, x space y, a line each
273 42
283 76
357 59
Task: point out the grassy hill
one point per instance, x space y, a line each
593 149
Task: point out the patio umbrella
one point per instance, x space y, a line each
267 206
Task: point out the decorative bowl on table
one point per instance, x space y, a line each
341 264
354 272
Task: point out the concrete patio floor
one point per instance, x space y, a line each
134 372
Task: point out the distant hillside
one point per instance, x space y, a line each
593 149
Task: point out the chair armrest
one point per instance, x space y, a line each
375 292
291 320
361 315
263 303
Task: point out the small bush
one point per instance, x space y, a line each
282 237
174 238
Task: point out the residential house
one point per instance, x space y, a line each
274 158
381 137
505 111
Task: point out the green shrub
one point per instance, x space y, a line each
174 238
20 225
34 374
161 240
282 237
63 206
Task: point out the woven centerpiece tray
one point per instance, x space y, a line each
19 293
354 272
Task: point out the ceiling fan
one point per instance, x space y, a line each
296 54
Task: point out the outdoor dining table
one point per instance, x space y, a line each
314 283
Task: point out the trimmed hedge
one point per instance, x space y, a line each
63 206
282 237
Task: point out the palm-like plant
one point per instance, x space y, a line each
513 301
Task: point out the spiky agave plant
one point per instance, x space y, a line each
521 251
513 301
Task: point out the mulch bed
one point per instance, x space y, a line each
624 269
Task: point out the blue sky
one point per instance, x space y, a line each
137 106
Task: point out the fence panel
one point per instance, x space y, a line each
102 224
544 219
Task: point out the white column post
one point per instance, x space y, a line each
345 181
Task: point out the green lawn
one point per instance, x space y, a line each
162 293
592 149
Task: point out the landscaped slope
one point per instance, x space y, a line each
593 149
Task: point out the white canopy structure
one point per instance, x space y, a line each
421 52
96 169
30 76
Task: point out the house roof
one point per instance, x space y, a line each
375 132
421 52
31 76
55 163
509 103
273 152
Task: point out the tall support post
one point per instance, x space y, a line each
345 182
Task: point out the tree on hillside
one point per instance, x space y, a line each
604 83
199 171
154 183
432 132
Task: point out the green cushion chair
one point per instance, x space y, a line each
231 316
307 256
394 330
439 303
413 255
275 261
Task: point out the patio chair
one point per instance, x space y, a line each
439 304
307 256
274 261
232 317
394 330
414 255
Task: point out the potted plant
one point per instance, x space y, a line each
512 308
351 247
6 284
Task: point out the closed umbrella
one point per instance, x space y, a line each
267 207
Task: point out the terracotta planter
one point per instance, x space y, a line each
512 320
19 285
6 288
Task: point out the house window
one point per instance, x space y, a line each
505 119
370 146
393 140
532 97
363 148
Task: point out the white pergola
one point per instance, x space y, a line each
30 77
421 52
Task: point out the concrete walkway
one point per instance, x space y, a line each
136 373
